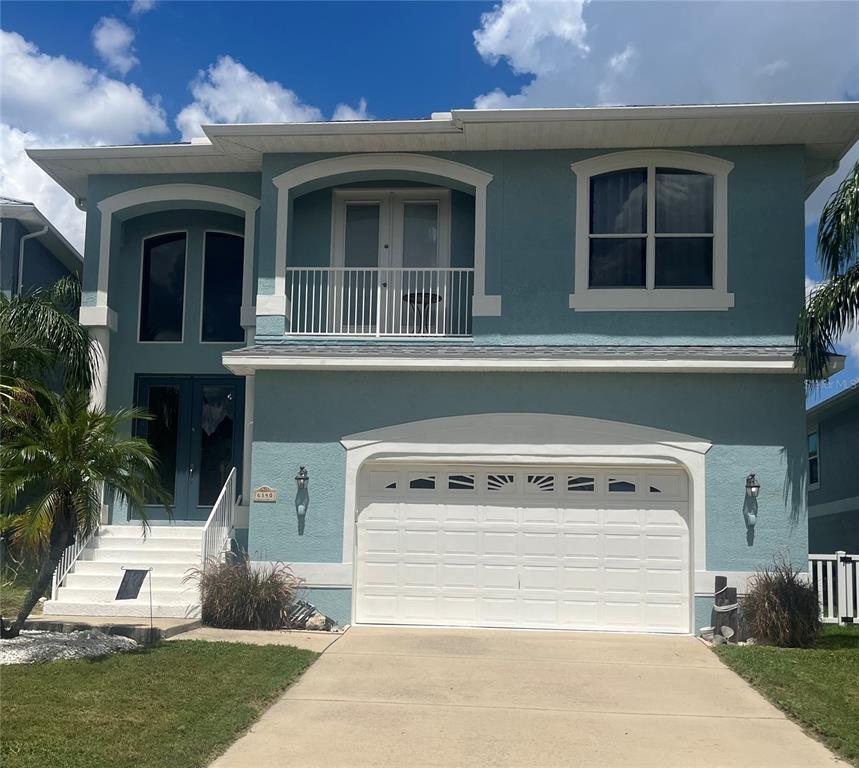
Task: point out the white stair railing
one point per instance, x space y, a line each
221 521
836 580
68 559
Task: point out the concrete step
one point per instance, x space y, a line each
154 531
188 547
83 580
121 608
112 569
161 596
140 556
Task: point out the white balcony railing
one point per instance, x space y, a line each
374 301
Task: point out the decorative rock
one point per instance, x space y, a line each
719 640
317 622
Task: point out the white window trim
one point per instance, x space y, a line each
586 299
813 486
206 233
390 221
143 240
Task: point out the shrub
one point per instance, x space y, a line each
235 595
781 607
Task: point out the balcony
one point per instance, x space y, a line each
380 301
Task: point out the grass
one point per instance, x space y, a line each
818 687
12 594
176 704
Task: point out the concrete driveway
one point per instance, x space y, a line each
409 698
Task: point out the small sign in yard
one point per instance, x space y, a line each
132 581
264 494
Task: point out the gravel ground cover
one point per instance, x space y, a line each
33 646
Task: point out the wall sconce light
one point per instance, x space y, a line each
753 487
302 478
302 498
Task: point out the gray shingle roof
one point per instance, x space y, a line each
470 350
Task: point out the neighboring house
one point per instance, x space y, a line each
833 473
528 358
33 254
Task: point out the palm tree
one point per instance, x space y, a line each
55 459
833 307
39 336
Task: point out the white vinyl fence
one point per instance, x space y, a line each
836 580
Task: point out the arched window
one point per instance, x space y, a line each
651 232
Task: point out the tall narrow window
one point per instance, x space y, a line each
162 292
618 225
813 460
223 262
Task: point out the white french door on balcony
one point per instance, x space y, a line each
393 247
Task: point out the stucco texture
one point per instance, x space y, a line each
755 424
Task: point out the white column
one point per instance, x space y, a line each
248 440
98 395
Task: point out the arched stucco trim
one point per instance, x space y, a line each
276 304
238 201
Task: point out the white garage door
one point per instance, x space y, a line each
541 547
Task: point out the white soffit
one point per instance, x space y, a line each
827 129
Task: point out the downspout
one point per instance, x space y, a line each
21 244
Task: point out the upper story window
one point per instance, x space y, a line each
813 461
651 232
162 287
223 261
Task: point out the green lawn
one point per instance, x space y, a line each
818 687
174 705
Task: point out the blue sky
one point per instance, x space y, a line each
88 73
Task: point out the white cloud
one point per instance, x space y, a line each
114 42
345 112
139 7
52 101
685 52
534 37
814 205
774 67
228 92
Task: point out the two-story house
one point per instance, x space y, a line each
513 368
33 253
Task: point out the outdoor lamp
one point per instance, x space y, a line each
302 477
752 486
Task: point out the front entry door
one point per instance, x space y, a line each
197 434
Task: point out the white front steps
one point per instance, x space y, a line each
171 551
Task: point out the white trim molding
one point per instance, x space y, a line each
243 364
586 299
529 438
158 193
384 161
97 317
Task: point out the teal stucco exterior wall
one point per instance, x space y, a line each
306 414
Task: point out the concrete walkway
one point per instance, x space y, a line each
399 697
310 641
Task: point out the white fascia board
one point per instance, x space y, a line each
57 244
242 365
561 114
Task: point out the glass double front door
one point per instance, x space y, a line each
196 432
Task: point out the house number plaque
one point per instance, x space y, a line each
265 495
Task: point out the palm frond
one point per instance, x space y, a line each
838 229
830 310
